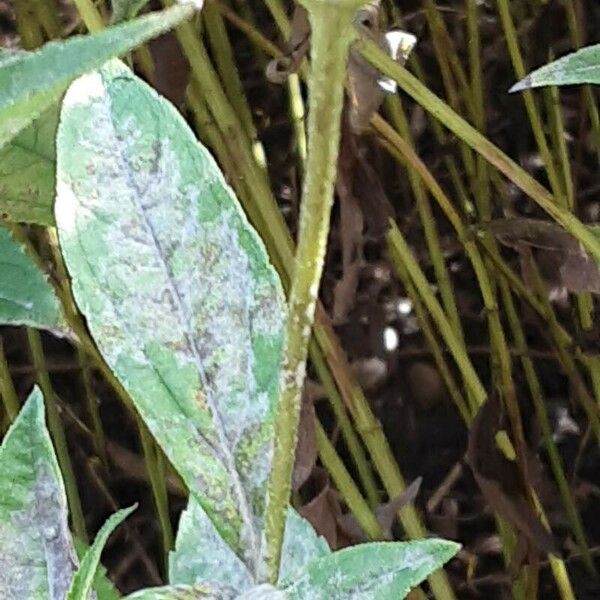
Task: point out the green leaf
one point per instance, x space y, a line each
26 297
37 559
185 592
27 165
177 289
31 82
301 545
103 586
378 571
83 579
201 555
578 67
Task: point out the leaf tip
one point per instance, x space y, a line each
524 84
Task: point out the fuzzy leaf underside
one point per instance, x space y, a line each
30 82
177 289
37 558
375 571
26 297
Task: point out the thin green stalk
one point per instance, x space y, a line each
346 486
355 448
296 103
10 400
47 15
330 55
478 142
91 402
535 391
155 470
227 69
482 190
402 258
431 337
535 119
447 57
90 15
58 433
28 27
400 122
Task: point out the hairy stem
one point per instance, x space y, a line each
326 89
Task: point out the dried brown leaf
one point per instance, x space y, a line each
171 69
499 478
323 510
561 253
279 69
384 513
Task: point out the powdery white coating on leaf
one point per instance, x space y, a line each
177 290
184 592
264 591
301 545
37 559
201 555
375 571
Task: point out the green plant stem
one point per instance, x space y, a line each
431 336
535 119
10 400
90 15
355 448
403 259
400 122
330 55
57 432
413 87
92 407
47 15
28 27
224 59
346 486
155 470
535 390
